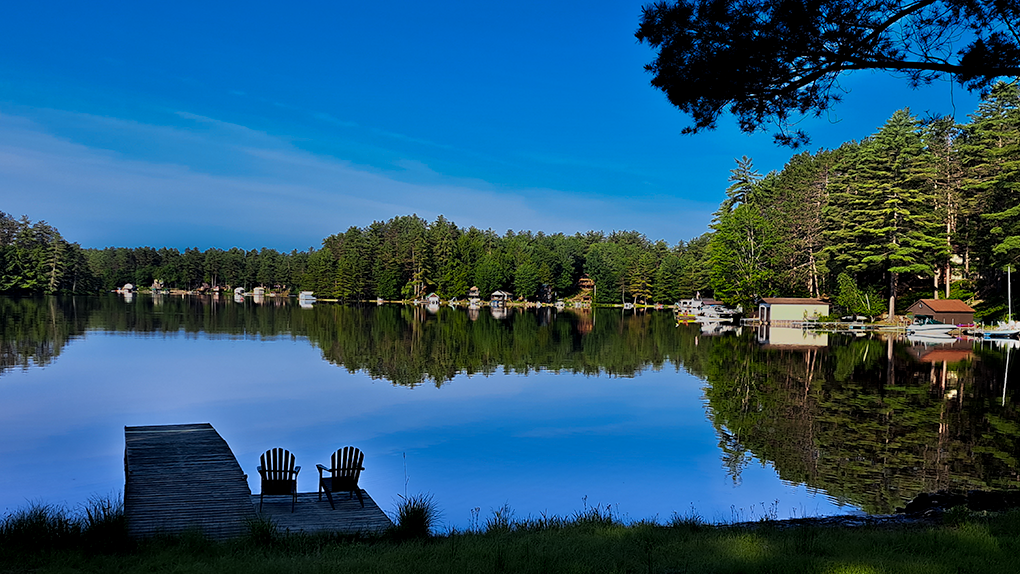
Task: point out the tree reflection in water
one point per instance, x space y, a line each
872 421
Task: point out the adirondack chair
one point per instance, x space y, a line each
345 469
279 475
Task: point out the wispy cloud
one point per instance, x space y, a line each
198 183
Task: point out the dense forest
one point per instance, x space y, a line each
921 208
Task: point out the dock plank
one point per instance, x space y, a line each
313 515
183 477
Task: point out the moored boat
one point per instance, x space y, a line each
1004 330
929 327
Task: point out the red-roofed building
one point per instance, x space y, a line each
948 311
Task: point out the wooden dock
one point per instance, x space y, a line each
185 477
313 515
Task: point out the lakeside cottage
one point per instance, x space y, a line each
948 311
501 297
772 309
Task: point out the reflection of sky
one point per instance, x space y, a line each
542 443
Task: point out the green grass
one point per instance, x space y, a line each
593 540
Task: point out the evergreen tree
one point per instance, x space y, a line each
944 172
888 222
743 178
742 248
990 148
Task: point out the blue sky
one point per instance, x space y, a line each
258 124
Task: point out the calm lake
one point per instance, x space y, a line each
543 412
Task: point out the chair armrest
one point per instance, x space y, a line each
321 468
297 469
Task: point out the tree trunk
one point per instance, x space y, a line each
892 295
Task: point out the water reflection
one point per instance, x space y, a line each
870 420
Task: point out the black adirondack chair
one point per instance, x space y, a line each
279 475
343 473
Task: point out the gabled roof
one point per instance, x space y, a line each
792 301
946 305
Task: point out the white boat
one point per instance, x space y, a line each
717 313
1003 330
929 327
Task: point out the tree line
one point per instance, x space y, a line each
400 259
407 257
920 208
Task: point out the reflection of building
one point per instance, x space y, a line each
948 311
585 321
790 337
776 309
952 352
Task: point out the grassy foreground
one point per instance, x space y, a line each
43 539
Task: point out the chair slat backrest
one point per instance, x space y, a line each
278 464
346 463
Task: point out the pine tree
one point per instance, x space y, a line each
887 219
990 148
944 172
742 251
743 178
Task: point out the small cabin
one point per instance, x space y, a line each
948 311
501 297
432 299
474 294
258 291
791 309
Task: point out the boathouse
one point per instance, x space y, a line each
501 297
948 311
432 299
773 309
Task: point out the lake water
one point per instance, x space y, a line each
541 412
